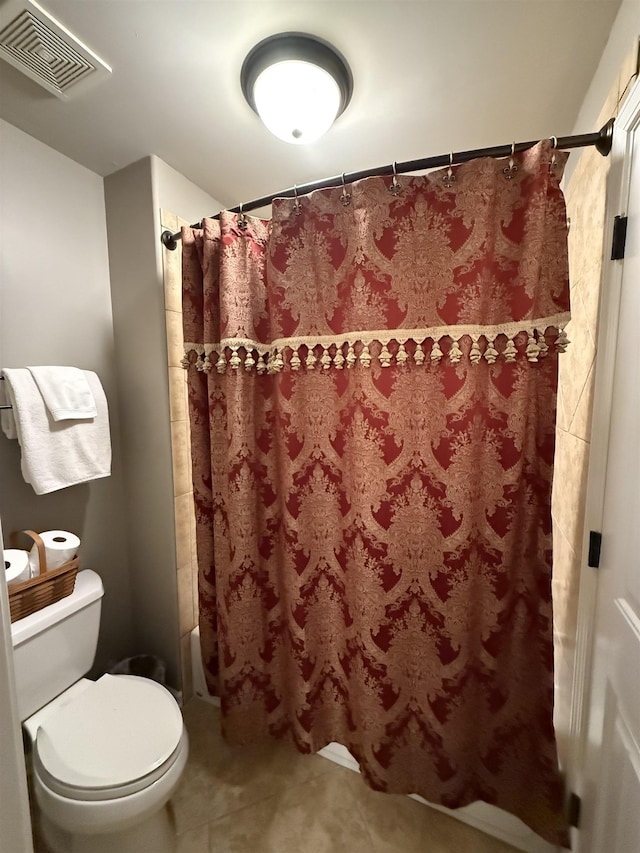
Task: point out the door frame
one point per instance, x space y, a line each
15 821
617 189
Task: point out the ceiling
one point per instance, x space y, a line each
429 77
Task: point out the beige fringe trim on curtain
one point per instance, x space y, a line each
354 347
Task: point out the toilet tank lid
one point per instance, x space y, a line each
88 589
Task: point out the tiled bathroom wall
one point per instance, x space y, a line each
181 452
586 199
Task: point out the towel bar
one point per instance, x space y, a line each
4 407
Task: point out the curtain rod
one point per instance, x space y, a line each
602 140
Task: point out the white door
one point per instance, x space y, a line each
610 813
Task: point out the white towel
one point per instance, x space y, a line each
66 392
58 454
7 421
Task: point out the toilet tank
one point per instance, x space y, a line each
56 646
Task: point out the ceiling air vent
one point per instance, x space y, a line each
40 47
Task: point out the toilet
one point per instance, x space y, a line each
106 755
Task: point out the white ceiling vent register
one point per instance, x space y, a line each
40 47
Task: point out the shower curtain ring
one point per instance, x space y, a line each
242 219
552 164
297 207
345 197
511 169
394 187
448 178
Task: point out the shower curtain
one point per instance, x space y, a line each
372 384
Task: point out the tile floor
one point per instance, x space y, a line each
271 799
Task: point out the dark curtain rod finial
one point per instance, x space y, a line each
602 140
169 241
604 143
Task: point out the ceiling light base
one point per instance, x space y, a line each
308 73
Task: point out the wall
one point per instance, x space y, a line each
176 193
610 71
155 485
585 193
55 308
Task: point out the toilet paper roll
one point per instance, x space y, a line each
16 565
59 546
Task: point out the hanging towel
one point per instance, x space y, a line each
7 421
58 454
66 392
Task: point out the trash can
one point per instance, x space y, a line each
146 666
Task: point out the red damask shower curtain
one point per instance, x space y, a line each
372 382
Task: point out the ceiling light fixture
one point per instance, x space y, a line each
298 85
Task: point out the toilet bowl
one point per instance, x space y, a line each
106 755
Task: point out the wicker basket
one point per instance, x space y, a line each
48 587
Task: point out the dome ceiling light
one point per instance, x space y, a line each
298 85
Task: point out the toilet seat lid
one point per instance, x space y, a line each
119 729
